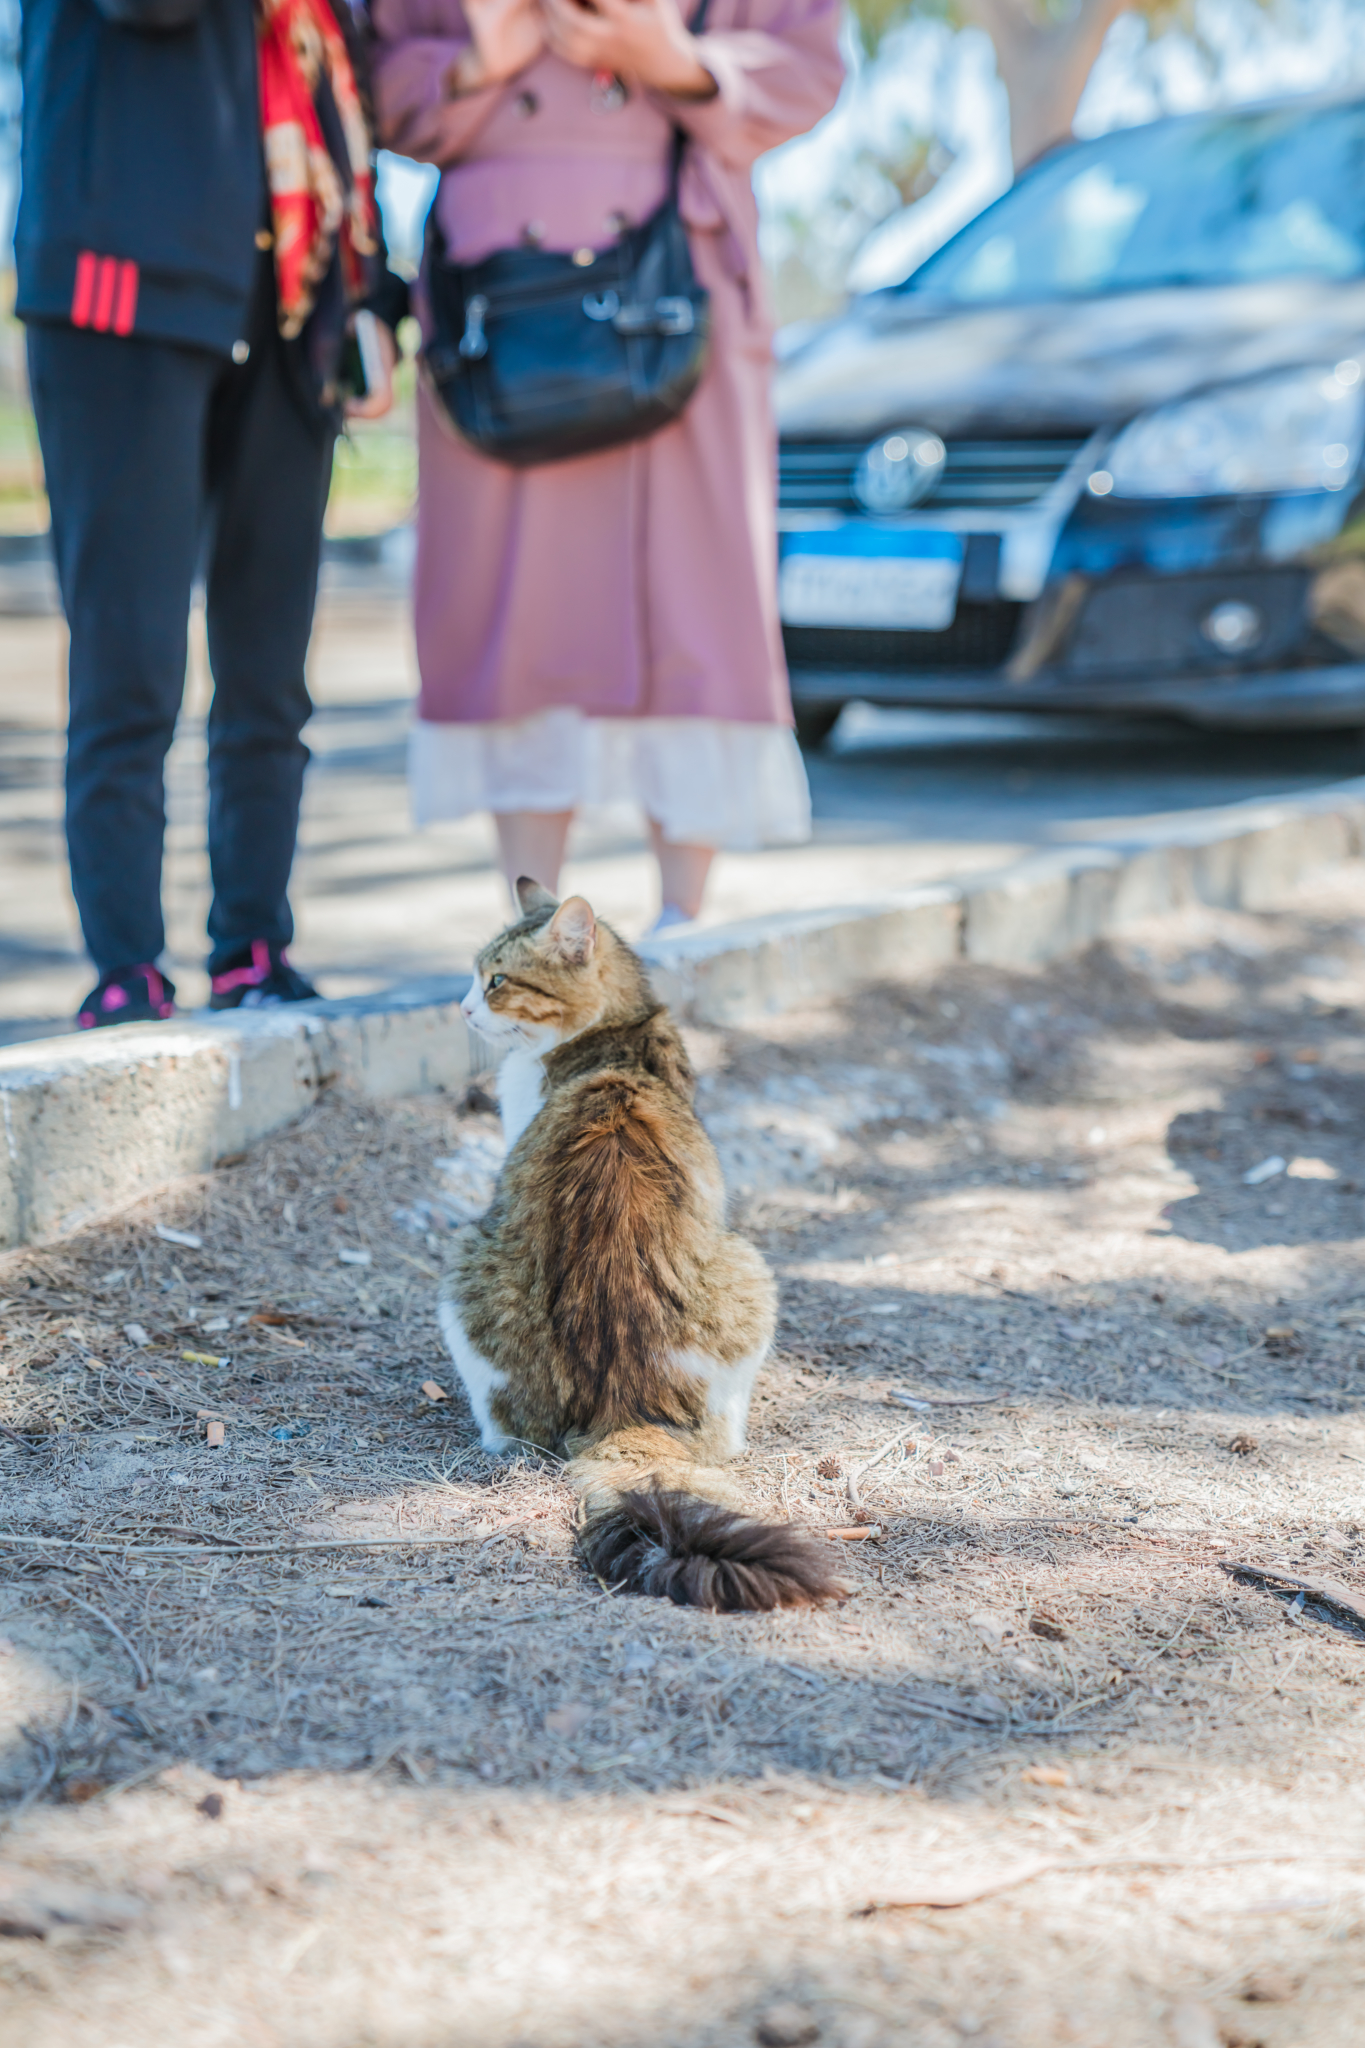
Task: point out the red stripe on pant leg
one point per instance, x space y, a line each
104 295
125 299
84 290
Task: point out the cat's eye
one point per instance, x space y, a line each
496 980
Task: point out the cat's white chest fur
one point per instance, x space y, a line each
521 1090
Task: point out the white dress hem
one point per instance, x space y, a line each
705 781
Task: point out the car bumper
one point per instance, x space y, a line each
1285 699
1103 604
1129 642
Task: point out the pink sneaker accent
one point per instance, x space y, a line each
121 996
247 977
156 992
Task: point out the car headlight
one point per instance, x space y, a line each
1298 430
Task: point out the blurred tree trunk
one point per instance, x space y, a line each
1043 64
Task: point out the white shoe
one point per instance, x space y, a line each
670 919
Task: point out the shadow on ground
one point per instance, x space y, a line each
431 1783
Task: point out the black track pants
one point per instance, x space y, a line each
156 454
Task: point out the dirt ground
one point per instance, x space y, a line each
1053 1773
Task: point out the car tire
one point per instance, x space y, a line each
815 723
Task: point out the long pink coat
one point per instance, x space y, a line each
641 581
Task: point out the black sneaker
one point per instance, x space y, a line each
258 975
128 995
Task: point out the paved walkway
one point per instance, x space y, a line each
900 799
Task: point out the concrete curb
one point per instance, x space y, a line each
91 1123
1038 908
725 974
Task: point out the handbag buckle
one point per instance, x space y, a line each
674 316
667 316
474 342
601 305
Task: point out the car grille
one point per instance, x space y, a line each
980 637
818 475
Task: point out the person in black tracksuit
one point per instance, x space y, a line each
178 430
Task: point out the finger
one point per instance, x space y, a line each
574 17
574 49
565 15
570 27
559 18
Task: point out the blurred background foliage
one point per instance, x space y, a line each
875 17
947 99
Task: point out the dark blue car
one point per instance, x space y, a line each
1102 451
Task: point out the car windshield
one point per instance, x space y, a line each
1224 199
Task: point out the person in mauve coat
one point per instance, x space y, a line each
607 626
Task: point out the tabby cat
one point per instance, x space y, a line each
600 1309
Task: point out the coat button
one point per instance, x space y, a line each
264 239
240 351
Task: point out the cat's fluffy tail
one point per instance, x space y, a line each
697 1554
664 1535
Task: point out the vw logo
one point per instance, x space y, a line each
899 471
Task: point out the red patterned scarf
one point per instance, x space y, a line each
314 201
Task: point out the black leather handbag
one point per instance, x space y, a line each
537 357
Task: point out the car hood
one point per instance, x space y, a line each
1058 366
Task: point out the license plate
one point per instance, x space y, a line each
876 577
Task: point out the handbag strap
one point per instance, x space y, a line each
680 136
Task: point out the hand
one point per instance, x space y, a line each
379 400
508 35
646 40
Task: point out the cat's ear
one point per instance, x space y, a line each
532 896
572 932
